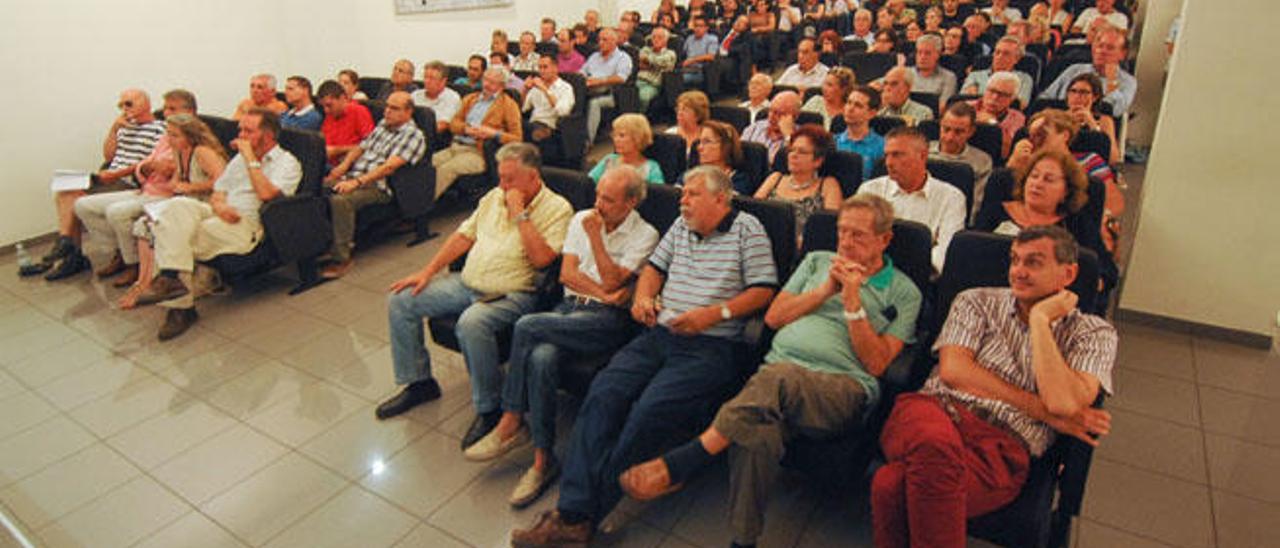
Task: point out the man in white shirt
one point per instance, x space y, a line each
807 72
1104 9
437 95
916 195
547 98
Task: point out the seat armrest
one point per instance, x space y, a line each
297 226
414 188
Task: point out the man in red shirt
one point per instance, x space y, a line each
346 122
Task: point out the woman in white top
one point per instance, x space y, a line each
835 87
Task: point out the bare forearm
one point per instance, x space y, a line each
875 351
788 307
612 276
1061 390
959 371
535 246
749 301
650 283
456 246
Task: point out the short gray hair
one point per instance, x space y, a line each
908 75
660 30
497 72
930 39
525 153
270 78
1006 75
713 178
636 187
1015 41
879 207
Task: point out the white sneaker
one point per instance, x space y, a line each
532 484
492 446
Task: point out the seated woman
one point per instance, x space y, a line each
933 20
1084 95
830 48
668 8
803 186
762 19
200 159
693 108
350 82
631 135
835 88
720 146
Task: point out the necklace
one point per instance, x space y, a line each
799 186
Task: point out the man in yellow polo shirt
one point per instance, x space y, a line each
517 229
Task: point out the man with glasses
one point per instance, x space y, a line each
1109 49
360 180
995 107
808 72
401 80
1006 56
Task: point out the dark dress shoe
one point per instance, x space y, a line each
177 322
60 249
163 288
480 427
68 266
114 267
128 276
416 393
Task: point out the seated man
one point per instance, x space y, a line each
957 126
360 180
808 72
346 122
437 95
1016 366
567 57
995 107
1109 48
842 318
928 76
602 252
527 60
547 99
713 267
1001 13
896 97
737 50
859 108
654 60
130 139
916 195
1005 58
862 28
498 60
302 113
775 131
401 80
476 65
112 214
189 230
699 49
262 94
1102 9
547 33
486 114
517 229
605 68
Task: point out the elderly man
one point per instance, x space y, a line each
567 57
346 122
547 99
713 268
527 59
928 75
775 132
655 59
187 230
262 94
401 80
112 214
858 137
1007 53
517 229
1017 366
486 114
437 95
957 126
1109 49
915 194
605 68
1001 13
132 136
842 318
361 179
1104 10
862 29
975 28
896 98
604 249
995 107
808 72
699 49
302 113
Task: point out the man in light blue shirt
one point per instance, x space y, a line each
699 50
605 68
859 108
1109 48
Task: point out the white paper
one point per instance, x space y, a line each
67 179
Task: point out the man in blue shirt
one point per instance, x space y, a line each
604 69
699 50
302 113
861 106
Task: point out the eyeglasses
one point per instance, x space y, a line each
124 104
1000 93
1079 91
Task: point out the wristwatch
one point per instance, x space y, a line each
255 165
853 316
725 313
522 216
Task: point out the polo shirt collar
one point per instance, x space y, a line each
302 111
725 224
884 276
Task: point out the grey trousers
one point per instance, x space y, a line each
778 403
343 208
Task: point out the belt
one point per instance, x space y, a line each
580 300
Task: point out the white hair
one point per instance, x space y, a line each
1003 76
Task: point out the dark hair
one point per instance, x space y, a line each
1065 249
484 61
549 20
730 143
1095 86
873 95
964 110
330 88
823 144
269 121
301 81
186 97
350 74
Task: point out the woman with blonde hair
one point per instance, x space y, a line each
835 88
631 136
693 108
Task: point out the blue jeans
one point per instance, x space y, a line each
659 389
693 76
540 341
477 328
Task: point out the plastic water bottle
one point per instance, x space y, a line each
24 258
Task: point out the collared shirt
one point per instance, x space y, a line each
985 320
278 165
709 271
1010 123
979 79
659 62
812 78
910 111
870 147
134 142
709 44
570 63
942 82
349 129
1115 18
475 116
525 62
937 205
980 162
1120 99
497 263
628 245
445 104
617 64
405 142
308 118
758 132
820 339
542 110
753 110
387 89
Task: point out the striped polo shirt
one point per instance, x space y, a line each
134 143
709 271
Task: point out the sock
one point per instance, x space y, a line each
169 273
683 461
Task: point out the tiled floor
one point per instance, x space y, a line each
256 428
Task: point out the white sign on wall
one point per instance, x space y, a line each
407 7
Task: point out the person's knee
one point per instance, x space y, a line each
117 213
477 320
544 360
888 485
400 305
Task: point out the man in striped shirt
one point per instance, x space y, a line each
1017 366
714 267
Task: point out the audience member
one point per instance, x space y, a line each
498 61
498 43
895 99
759 87
835 88
957 126
1109 49
1060 14
720 147
655 59
346 123
740 51
862 29
693 109
803 186
401 80
486 114
547 33
1001 13
262 93
1051 192
859 108
775 131
631 135
1104 10
436 95
951 14
995 107
605 68
351 83
302 113
567 59
807 72
1008 52
527 60
929 76
1084 94
473 79
700 48
547 99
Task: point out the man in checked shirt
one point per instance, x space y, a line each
1017 366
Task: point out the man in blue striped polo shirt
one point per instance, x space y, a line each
714 267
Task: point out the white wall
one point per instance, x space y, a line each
1155 18
66 61
1206 248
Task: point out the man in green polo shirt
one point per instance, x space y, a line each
841 319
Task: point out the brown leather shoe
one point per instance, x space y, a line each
337 270
163 288
127 277
549 531
176 322
112 268
648 480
